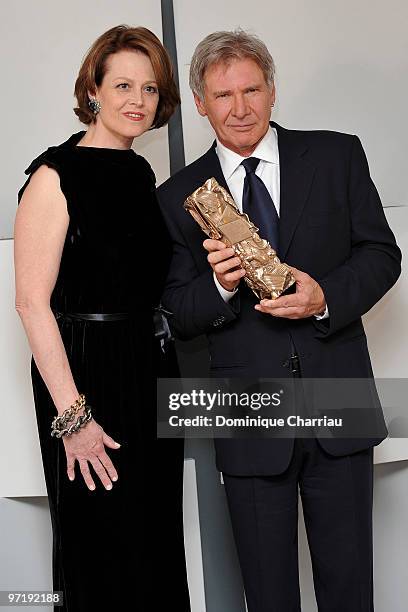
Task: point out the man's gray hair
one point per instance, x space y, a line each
223 47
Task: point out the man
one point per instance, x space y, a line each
316 190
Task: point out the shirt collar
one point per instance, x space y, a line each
267 150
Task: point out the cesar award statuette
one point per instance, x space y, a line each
216 212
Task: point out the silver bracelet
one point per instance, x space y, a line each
58 429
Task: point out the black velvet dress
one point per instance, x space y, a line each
121 549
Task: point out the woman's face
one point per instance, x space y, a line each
128 95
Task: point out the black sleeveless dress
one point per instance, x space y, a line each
119 549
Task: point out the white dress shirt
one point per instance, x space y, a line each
267 152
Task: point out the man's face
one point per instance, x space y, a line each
237 102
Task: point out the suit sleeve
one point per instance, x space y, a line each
190 295
374 265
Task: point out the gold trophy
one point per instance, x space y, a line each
217 214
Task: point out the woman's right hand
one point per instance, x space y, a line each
87 444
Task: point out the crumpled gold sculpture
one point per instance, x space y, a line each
217 214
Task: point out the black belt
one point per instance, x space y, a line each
95 316
161 328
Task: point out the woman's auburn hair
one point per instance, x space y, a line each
121 38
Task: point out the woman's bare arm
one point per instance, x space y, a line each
40 229
39 233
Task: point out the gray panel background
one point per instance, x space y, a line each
339 66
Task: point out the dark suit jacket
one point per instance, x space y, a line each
333 227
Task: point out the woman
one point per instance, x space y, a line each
87 237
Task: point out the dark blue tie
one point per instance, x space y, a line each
258 204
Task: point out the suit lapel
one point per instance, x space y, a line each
296 176
210 167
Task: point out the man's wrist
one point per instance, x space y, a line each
323 314
225 293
